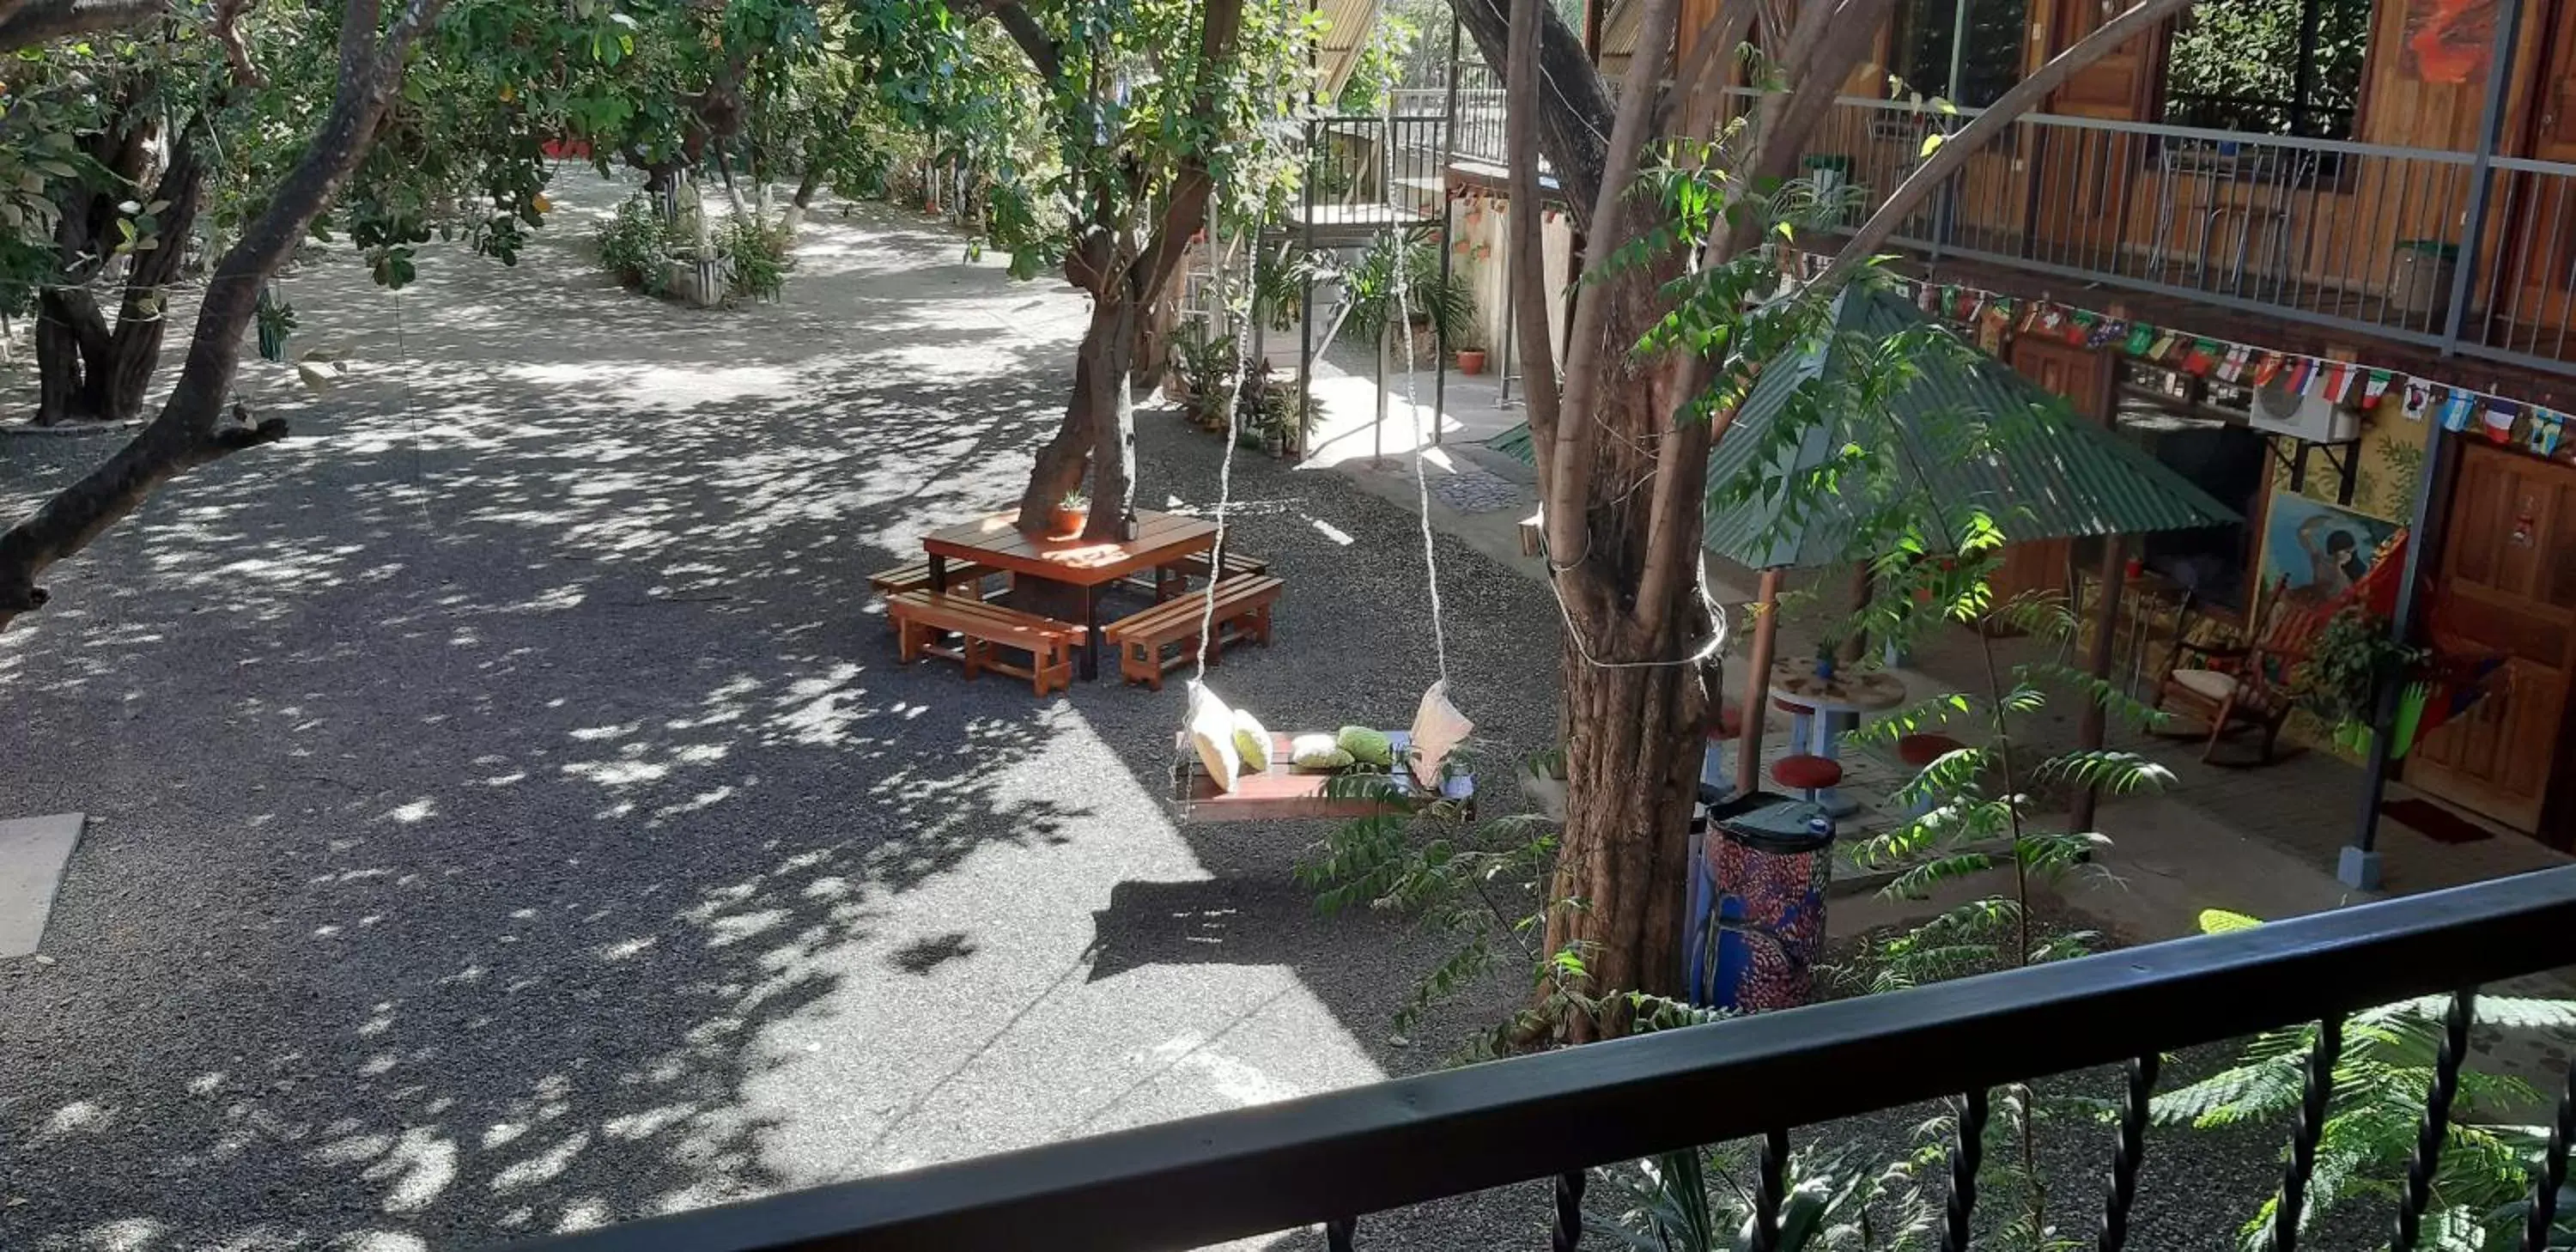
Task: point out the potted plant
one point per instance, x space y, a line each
1274 439
1069 513
2348 659
1471 360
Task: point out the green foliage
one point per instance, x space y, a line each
2381 1079
637 245
1399 276
1379 68
2247 52
758 252
2349 661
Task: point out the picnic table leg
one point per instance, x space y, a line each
1830 728
938 574
1090 634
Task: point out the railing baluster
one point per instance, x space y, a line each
2303 1140
2437 1121
1569 1212
2129 1154
1339 1232
1773 1191
1965 1158
2553 1170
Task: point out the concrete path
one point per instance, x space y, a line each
507 814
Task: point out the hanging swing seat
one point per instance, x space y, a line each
1285 793
1241 614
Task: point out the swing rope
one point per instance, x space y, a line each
1401 269
1224 480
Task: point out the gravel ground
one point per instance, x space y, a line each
507 815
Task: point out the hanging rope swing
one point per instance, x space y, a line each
1228 767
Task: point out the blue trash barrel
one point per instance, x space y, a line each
1758 905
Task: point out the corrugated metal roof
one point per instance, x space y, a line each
1347 25
2049 475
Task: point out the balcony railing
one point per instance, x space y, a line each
1333 1158
2419 245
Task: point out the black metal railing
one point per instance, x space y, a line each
1331 1158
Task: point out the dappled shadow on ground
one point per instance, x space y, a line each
508 815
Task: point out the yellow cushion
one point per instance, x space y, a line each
1251 742
2208 684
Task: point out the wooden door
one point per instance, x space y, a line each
2084 378
2507 582
2085 175
2538 238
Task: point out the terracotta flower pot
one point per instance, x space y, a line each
1471 360
1066 520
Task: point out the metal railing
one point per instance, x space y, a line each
2358 236
1479 121
1332 1158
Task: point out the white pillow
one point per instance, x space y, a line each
1317 752
1438 727
1252 741
1211 727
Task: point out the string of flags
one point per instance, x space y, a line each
1991 318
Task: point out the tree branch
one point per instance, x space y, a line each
1023 28
189 430
43 21
1574 127
1527 257
1568 492
1954 151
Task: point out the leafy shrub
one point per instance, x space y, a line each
759 255
636 245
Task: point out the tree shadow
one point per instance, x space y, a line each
508 815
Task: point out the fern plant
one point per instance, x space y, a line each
2381 1078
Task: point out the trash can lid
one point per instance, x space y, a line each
1768 822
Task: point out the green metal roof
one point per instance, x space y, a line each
2053 475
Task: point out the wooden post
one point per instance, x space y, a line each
2089 729
1856 643
1757 683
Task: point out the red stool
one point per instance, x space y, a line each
1807 775
1917 751
1730 721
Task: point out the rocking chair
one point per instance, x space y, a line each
2244 685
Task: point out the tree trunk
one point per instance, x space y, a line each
1113 420
1099 386
794 218
1632 774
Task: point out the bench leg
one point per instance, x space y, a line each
972 649
1261 625
907 635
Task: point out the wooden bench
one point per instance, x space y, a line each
1242 613
962 576
923 620
1167 581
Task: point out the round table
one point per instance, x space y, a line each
1827 709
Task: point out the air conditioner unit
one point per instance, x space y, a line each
2314 418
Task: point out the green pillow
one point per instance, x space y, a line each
1252 740
1366 746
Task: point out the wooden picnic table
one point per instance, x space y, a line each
1086 565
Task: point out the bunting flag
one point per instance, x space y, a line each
2232 367
2267 369
2302 370
1950 301
2104 332
2456 409
2375 386
2141 338
2050 319
2164 346
2079 329
2418 401
2545 427
1926 299
2498 419
1971 302
2332 379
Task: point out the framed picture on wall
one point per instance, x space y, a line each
2322 549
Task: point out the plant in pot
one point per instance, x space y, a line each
1069 513
2347 660
1400 275
1471 360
